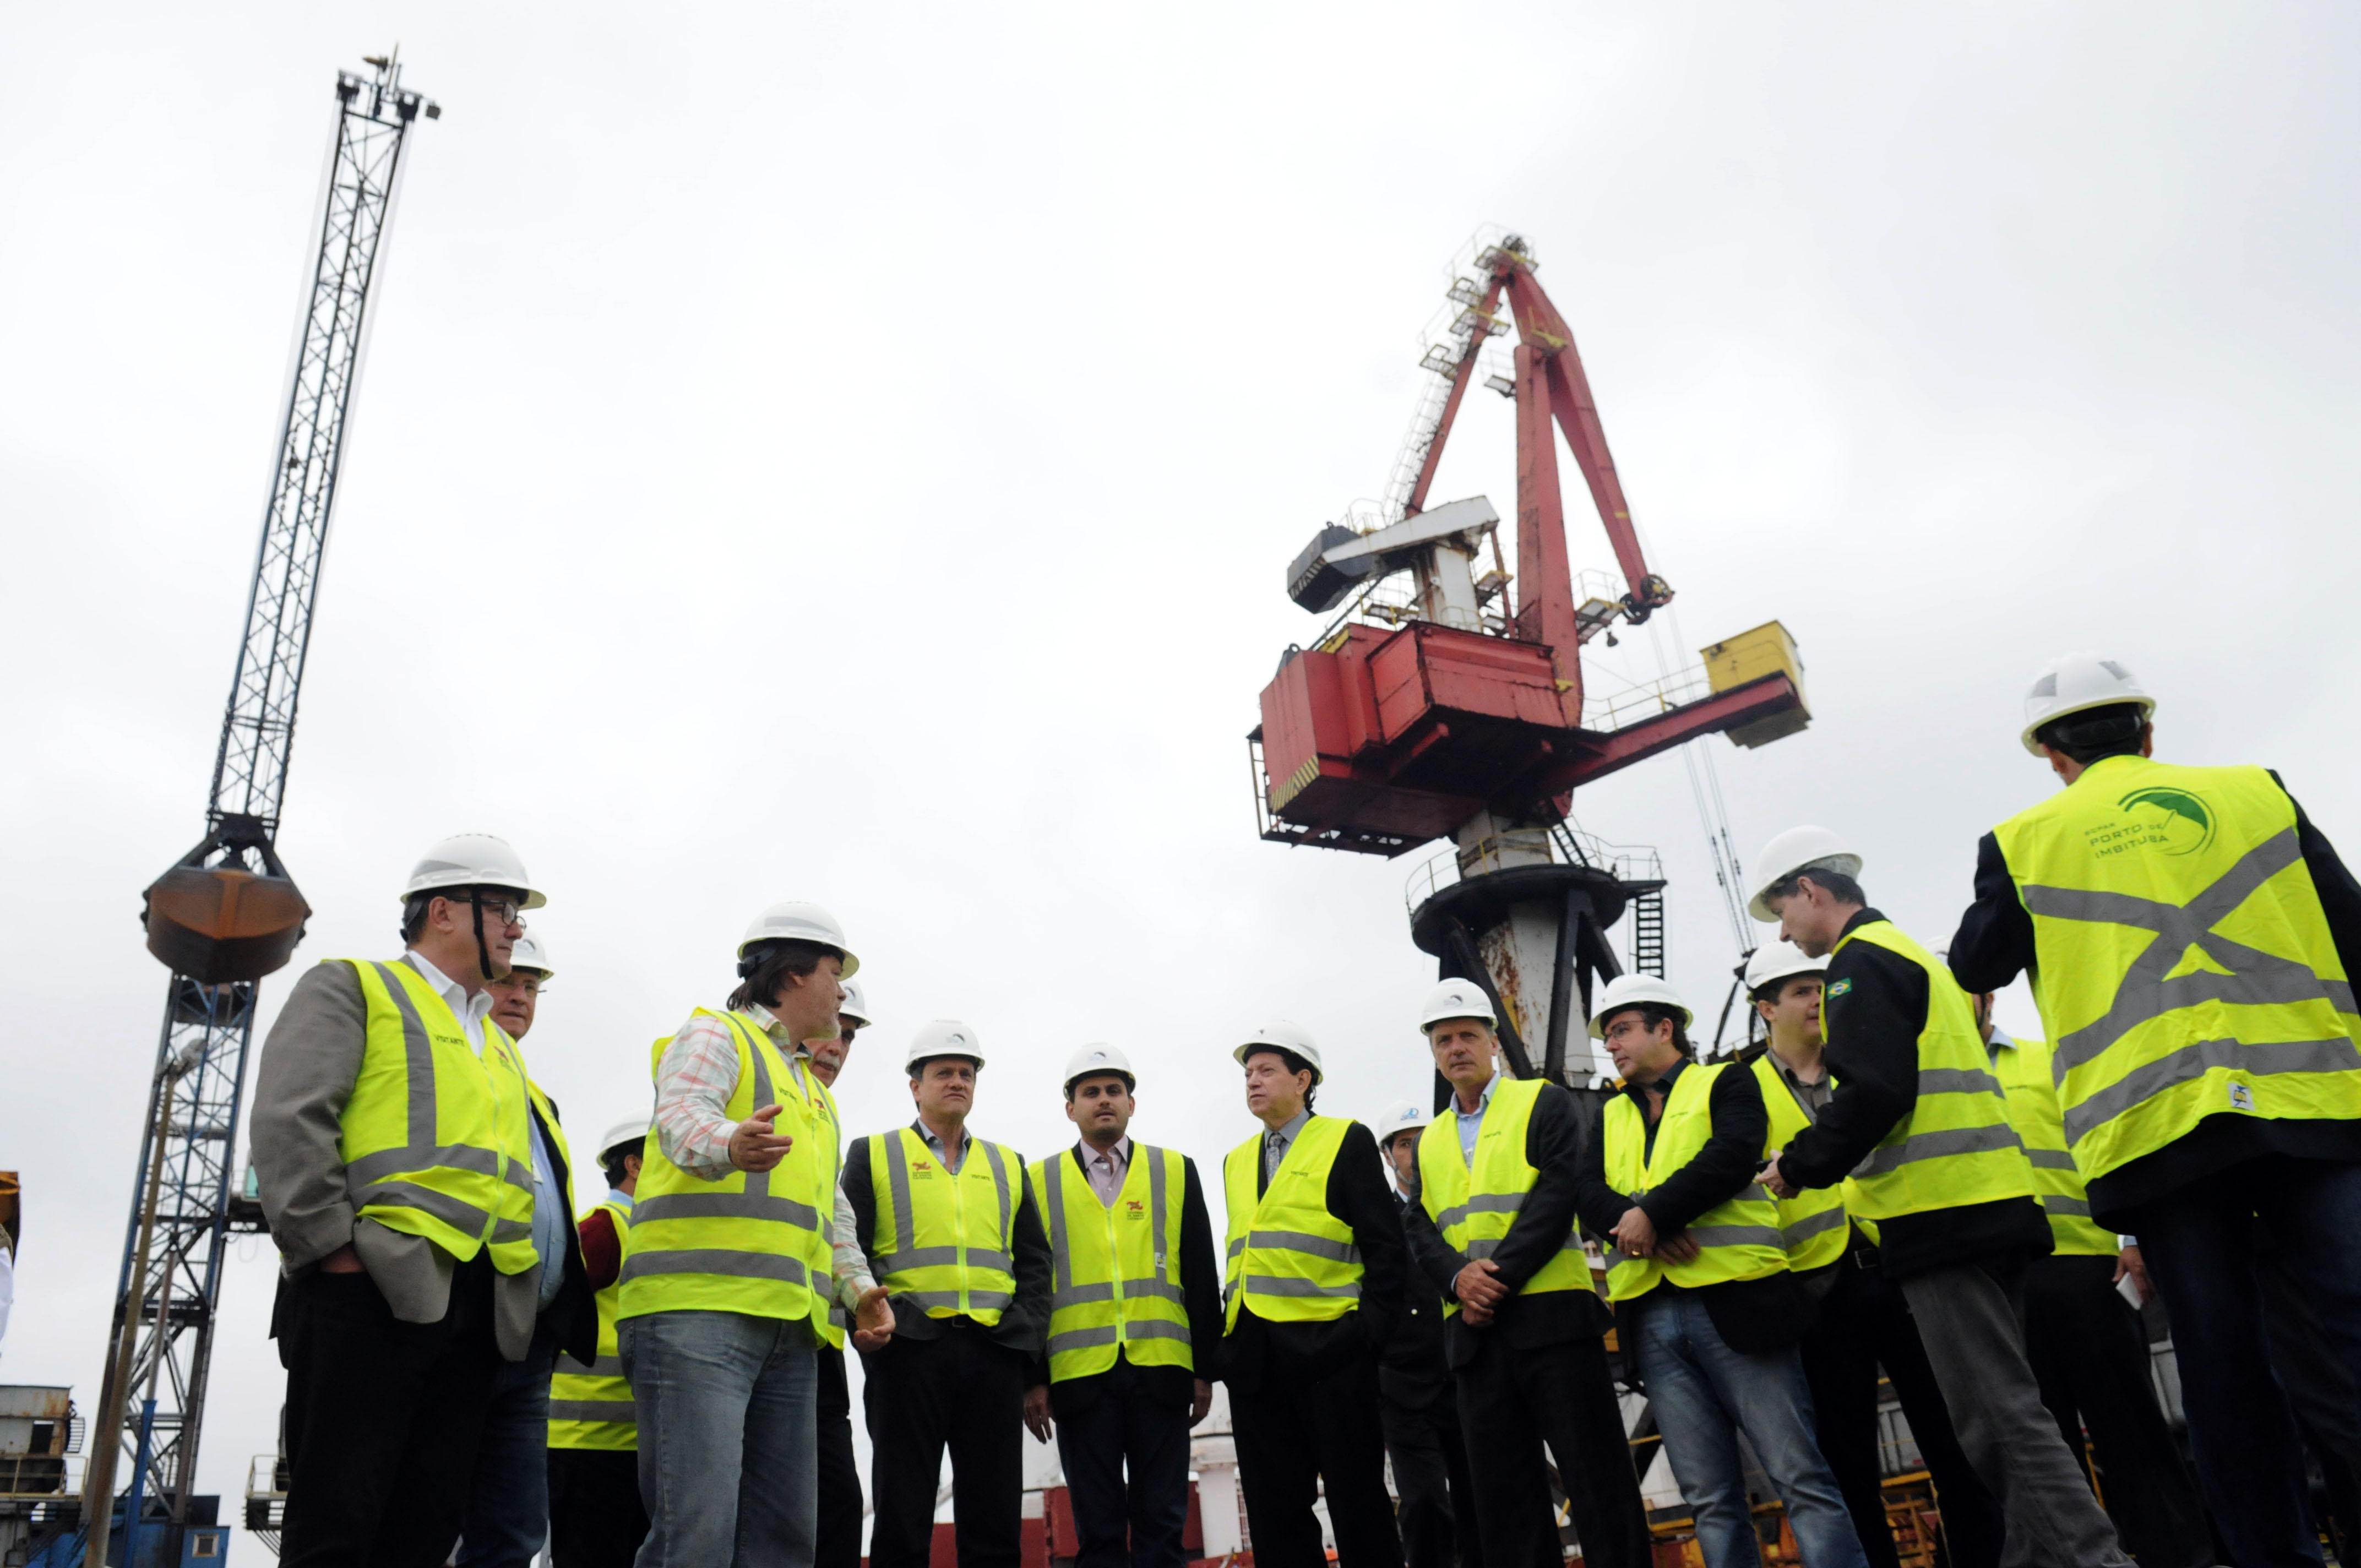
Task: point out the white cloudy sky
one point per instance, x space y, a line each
853 456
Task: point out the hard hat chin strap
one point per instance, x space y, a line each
483 948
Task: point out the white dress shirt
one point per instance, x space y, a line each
471 1011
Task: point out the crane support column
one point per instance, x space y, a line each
227 914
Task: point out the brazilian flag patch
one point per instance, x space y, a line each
1839 989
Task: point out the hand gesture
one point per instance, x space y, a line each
1037 1413
753 1146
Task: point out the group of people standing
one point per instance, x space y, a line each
1887 1179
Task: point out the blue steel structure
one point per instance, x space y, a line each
188 1201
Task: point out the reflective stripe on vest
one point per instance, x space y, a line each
1812 1224
1289 1259
2023 1072
593 1408
945 1243
436 1140
1473 1206
1956 1146
2184 966
1737 1239
1114 1272
756 1243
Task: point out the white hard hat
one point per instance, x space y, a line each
1457 999
1798 849
943 1038
1092 1060
630 1130
1401 1116
798 921
1776 959
472 860
2075 682
1630 991
853 1009
1286 1037
531 952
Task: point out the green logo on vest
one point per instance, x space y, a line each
2183 827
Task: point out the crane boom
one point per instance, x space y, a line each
226 914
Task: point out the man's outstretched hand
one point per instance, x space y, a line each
755 1145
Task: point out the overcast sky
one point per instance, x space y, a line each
853 456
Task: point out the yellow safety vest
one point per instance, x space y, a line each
1956 1146
1114 1272
593 1408
2023 1072
1474 1203
1289 1259
945 1244
1812 1224
2184 967
759 1243
436 1141
1737 1238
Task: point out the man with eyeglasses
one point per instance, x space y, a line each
393 1141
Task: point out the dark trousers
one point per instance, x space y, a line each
2089 1356
960 1391
1127 1426
1293 1433
1863 1323
2201 1243
507 1520
1513 1401
596 1517
382 1420
840 1473
1437 1514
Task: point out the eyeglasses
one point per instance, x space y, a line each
507 910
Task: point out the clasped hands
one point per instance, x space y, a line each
1635 1236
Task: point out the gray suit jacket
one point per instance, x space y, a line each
309 1065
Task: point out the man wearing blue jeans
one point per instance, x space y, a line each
507 1494
1699 1274
728 1273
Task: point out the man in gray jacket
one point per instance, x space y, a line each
393 1138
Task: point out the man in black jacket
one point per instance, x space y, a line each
1917 1122
1698 1272
2192 938
1125 1372
1526 1340
952 1376
1437 1496
1313 1284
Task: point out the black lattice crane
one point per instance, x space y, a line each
227 914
